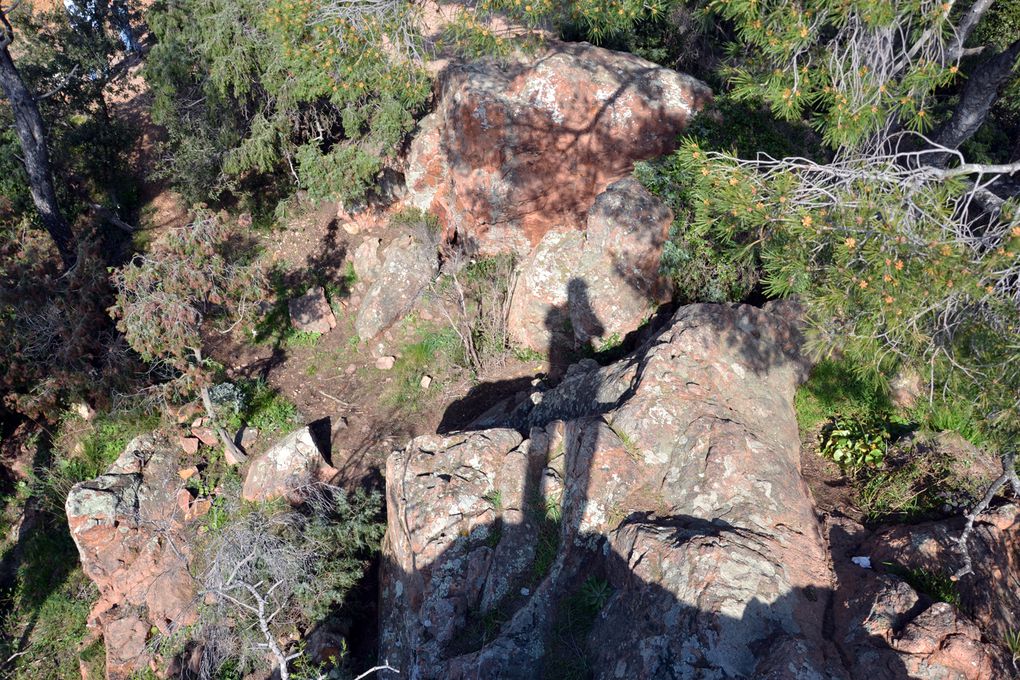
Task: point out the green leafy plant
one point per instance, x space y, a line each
854 443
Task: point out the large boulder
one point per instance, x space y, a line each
577 288
408 265
128 526
290 464
515 150
672 484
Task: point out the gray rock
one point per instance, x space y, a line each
288 465
408 267
598 285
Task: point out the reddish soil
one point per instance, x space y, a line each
829 486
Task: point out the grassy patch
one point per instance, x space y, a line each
436 352
84 450
46 610
549 517
834 389
954 416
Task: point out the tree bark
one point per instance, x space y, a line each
28 124
976 100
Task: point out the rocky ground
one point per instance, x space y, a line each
624 495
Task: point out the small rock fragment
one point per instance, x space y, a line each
385 363
188 472
205 435
189 445
426 382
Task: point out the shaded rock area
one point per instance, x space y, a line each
669 485
127 525
578 288
516 150
311 312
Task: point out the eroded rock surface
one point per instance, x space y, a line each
516 150
408 265
127 525
293 462
673 478
590 287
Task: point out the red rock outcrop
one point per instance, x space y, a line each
516 150
589 287
127 525
673 478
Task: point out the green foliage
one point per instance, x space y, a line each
350 528
952 415
839 389
99 443
250 87
164 297
939 587
262 407
49 605
88 145
825 60
704 265
854 443
883 278
1011 641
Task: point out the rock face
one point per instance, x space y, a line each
311 312
516 150
127 525
671 484
588 287
407 268
291 463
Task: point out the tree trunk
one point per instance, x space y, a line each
976 100
32 135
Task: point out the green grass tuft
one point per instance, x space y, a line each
834 389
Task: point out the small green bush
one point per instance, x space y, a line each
854 443
262 407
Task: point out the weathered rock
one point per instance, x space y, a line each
515 150
366 260
408 267
127 526
311 312
577 288
385 363
676 476
884 625
293 462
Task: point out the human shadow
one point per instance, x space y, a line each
573 541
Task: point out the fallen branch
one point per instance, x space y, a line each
1008 476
